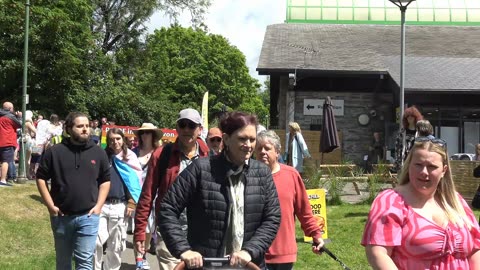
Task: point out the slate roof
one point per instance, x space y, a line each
438 57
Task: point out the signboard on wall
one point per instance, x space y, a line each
315 106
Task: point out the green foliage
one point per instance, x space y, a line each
60 43
120 24
313 177
329 179
335 190
176 72
89 56
377 180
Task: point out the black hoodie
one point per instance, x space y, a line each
76 172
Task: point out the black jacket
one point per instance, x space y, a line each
76 172
476 171
203 188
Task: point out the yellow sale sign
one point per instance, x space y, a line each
319 208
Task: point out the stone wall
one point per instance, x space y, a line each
356 138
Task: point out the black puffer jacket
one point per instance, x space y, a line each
203 189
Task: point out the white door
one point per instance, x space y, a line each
450 135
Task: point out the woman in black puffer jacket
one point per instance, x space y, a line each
231 200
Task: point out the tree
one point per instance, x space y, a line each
136 81
121 22
60 50
180 64
264 95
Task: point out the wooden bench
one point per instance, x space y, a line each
347 169
391 180
462 173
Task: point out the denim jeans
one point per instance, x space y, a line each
75 235
12 170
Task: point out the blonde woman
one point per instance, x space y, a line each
295 147
423 223
477 152
30 131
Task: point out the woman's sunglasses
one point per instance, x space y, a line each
439 142
187 123
141 132
215 139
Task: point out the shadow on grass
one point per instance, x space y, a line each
357 214
36 198
301 240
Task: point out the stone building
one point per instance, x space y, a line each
356 61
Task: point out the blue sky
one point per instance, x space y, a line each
243 23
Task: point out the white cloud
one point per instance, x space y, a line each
243 23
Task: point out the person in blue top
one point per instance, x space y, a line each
125 187
295 147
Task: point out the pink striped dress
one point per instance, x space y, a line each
418 242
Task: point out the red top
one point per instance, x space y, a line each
293 202
8 132
154 187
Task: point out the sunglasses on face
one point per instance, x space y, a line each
187 123
439 142
140 133
215 139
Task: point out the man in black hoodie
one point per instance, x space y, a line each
80 181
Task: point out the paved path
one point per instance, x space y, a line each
128 259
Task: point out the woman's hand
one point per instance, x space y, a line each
317 245
192 259
240 258
129 212
140 247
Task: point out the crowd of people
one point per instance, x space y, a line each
235 193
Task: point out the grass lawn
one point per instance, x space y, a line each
26 237
27 242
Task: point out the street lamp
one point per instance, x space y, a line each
402 4
21 178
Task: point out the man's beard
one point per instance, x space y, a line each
78 138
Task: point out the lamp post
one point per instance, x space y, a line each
21 178
402 4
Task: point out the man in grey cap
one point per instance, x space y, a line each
164 166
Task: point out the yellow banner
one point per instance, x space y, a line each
205 114
319 208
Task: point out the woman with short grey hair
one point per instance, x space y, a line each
282 254
272 137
